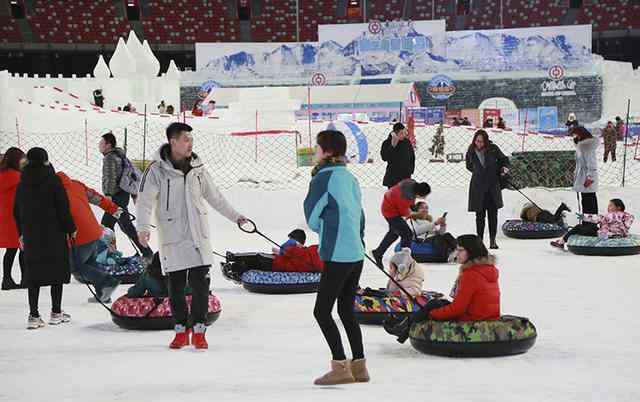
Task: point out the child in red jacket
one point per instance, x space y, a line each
296 257
396 207
476 293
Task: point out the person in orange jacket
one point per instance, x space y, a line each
396 207
9 239
295 257
89 233
476 293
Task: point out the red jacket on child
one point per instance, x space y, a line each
398 200
477 294
299 259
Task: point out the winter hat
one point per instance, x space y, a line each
473 245
403 262
38 156
298 235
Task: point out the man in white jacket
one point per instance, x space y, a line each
176 185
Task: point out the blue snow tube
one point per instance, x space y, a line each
586 245
425 252
270 282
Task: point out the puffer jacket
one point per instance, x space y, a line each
112 167
586 166
613 224
423 228
399 199
412 282
80 196
299 259
476 295
181 216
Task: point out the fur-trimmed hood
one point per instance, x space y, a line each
485 266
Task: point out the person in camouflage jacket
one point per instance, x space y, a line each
610 137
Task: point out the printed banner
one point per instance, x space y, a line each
547 117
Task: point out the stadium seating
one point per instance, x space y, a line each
9 30
276 22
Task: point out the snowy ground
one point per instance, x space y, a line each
268 348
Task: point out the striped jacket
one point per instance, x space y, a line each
333 209
112 167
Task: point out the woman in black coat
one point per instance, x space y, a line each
45 224
398 152
487 163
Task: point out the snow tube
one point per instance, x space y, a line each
424 252
153 313
585 245
126 270
270 282
518 229
372 308
510 335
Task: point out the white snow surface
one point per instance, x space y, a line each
269 348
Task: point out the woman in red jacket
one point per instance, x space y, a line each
476 294
9 179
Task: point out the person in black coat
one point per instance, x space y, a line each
487 164
45 224
398 152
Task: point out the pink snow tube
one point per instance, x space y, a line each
153 313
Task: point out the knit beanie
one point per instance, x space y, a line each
473 245
37 156
298 235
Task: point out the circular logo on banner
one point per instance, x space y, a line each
318 79
556 72
375 27
441 87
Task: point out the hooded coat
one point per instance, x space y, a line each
477 294
181 216
44 221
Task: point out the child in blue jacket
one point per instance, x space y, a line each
333 210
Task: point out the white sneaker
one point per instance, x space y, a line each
34 322
59 318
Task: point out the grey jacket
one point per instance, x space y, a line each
181 216
586 165
112 171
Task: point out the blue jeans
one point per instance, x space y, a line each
121 199
85 266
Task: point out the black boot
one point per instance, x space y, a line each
398 326
377 257
493 245
9 284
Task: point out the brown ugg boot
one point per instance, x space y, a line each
340 374
359 370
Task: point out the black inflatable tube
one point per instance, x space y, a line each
533 234
376 318
474 349
281 289
153 323
425 258
604 251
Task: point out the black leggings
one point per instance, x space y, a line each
339 281
7 262
488 208
589 203
199 282
56 299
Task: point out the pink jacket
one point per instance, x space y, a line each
615 224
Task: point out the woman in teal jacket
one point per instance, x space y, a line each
333 210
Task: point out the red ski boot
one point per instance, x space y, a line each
181 339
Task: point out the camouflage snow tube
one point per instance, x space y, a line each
271 282
372 308
518 229
585 245
153 313
510 335
127 270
